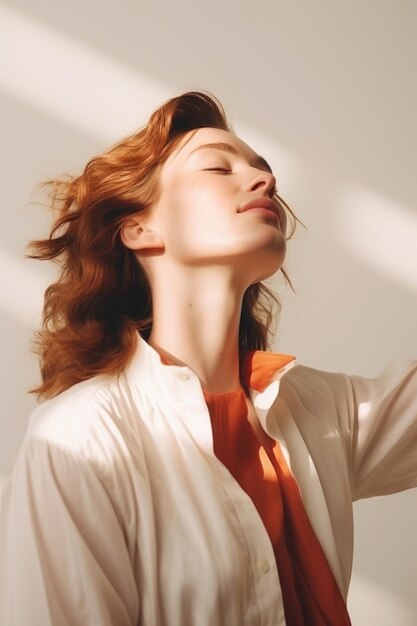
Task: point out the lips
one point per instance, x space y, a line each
260 203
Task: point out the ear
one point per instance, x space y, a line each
137 237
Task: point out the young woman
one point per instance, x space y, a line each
177 473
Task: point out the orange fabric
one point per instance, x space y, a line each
310 592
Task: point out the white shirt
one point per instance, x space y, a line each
117 511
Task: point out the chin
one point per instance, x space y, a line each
267 275
269 269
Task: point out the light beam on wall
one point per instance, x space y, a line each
380 232
70 81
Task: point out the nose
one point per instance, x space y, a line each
264 181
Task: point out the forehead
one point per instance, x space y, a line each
200 136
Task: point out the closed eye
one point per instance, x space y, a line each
224 169
220 169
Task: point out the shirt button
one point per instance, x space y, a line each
183 376
263 566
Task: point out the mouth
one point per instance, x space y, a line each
266 212
263 206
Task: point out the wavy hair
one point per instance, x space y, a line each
102 296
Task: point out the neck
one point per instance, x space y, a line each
196 323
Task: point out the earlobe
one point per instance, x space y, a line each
137 237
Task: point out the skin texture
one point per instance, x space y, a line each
201 255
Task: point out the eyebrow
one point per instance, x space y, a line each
227 147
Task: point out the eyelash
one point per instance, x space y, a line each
224 169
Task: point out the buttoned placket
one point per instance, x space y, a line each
267 605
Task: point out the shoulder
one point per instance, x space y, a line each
316 383
312 380
65 464
350 396
82 441
75 418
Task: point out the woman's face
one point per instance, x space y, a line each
197 215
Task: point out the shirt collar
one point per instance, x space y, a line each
259 367
261 371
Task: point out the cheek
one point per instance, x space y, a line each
189 220
200 204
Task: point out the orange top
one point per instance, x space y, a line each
310 592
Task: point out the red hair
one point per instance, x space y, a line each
102 296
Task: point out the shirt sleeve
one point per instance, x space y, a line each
63 557
378 421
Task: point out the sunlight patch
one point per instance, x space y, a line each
71 81
381 233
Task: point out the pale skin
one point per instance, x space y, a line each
201 254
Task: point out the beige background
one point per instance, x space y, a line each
326 92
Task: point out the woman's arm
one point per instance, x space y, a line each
375 418
378 420
384 431
63 557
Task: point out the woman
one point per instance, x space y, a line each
177 473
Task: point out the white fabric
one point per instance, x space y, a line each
118 513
